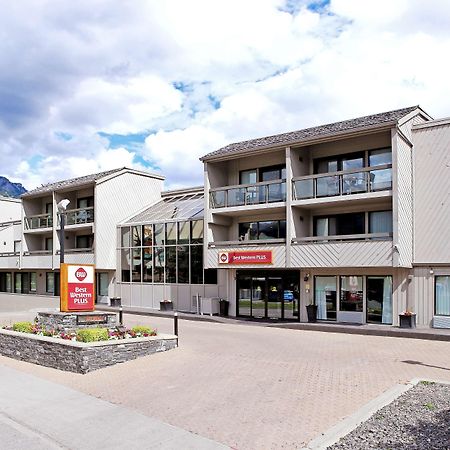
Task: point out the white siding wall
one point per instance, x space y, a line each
432 194
115 200
10 209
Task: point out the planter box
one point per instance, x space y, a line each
80 357
165 306
312 313
407 321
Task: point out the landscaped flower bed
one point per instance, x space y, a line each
84 351
85 334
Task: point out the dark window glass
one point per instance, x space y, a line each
197 232
183 264
49 244
210 276
196 264
171 233
18 282
337 163
85 202
380 222
325 297
341 224
379 299
159 234
159 264
147 264
125 264
102 284
268 230
380 157
137 236
136 267
248 176
5 282
171 264
85 241
282 229
248 231
352 162
33 281
148 235
272 173
184 232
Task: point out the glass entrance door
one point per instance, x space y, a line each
268 294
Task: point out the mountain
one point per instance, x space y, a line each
8 189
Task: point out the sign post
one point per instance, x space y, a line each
77 287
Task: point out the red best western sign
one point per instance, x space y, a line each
77 287
246 257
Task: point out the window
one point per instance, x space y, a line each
18 282
84 241
159 264
102 284
136 266
340 224
184 232
270 173
147 265
85 202
125 265
17 246
171 264
5 282
380 157
33 282
125 233
269 229
325 297
148 235
183 264
136 236
337 163
380 222
159 234
442 295
379 299
248 176
196 264
171 233
210 276
49 244
50 282
197 232
351 294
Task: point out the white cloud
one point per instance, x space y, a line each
243 70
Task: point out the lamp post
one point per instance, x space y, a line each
62 206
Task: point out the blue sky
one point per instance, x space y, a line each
91 85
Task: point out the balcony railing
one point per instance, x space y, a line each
344 237
248 194
37 252
251 242
80 216
70 251
38 221
369 179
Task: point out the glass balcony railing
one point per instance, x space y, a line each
38 221
254 194
80 216
370 179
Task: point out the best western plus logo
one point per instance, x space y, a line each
80 274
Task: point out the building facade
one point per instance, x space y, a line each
97 203
333 216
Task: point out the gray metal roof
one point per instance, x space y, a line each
80 181
312 133
172 208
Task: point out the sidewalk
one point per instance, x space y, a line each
38 414
433 334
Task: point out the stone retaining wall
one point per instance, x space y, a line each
80 357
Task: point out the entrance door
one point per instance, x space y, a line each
274 301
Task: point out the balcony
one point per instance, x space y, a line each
248 194
80 216
9 260
38 221
343 183
78 255
357 250
37 259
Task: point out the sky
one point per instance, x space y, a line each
92 85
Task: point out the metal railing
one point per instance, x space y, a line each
37 252
357 181
249 242
77 250
343 237
248 194
38 221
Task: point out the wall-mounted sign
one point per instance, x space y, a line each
77 287
246 257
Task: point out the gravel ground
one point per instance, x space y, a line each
418 419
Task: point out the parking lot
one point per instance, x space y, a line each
253 387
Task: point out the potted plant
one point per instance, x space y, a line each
166 305
311 309
407 319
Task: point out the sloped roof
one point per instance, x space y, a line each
188 206
79 181
385 118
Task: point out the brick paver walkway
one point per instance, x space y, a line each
254 387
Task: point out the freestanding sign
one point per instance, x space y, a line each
77 287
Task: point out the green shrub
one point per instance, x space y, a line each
142 329
92 334
23 327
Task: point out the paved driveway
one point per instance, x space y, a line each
253 387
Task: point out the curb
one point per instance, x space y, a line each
345 426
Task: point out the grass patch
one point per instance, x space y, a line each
92 334
143 330
23 327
